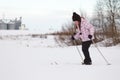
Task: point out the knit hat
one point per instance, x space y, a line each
76 17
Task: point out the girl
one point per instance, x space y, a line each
85 32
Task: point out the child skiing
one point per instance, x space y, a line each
85 32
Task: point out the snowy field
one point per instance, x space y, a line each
27 58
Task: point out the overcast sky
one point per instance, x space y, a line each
44 14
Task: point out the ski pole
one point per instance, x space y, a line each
78 50
101 53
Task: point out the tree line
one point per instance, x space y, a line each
107 20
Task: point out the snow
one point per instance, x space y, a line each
28 58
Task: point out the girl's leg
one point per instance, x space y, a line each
85 49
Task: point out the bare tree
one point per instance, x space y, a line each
112 8
100 16
108 19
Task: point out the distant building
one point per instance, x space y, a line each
22 27
9 24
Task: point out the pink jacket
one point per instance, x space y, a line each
86 29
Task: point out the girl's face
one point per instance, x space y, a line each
76 23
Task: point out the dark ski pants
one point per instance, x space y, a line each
85 49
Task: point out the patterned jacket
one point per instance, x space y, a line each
86 29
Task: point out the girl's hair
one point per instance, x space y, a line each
76 17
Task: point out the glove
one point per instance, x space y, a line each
72 38
74 33
90 36
80 33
